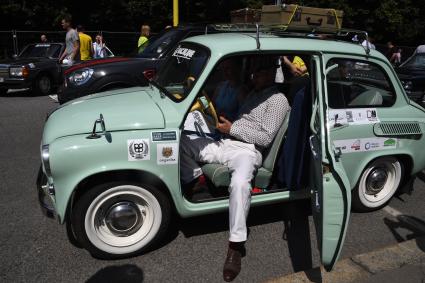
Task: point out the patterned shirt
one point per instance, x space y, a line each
260 117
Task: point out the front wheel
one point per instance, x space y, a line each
117 220
377 185
43 85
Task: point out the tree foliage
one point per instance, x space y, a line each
397 20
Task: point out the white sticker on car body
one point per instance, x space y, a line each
365 144
167 153
138 150
352 116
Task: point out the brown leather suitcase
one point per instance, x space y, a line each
302 17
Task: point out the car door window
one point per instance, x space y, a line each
356 83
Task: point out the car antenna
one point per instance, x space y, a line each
257 36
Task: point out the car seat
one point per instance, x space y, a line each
295 151
220 175
367 98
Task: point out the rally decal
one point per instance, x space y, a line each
167 153
164 136
138 150
366 144
341 117
183 53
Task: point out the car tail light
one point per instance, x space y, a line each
149 74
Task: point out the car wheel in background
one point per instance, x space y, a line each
3 91
378 184
120 219
43 85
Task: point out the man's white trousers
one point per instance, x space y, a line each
241 158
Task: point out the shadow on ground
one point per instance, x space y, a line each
128 273
292 215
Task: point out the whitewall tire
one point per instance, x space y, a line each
117 220
377 184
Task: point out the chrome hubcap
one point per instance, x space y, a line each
124 218
376 181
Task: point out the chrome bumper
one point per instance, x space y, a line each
45 191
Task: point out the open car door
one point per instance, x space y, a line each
331 199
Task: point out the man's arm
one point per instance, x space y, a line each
62 56
76 49
277 109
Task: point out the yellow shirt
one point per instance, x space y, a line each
86 44
142 43
298 62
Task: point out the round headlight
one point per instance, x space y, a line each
80 77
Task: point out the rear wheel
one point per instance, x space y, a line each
43 85
117 220
378 184
3 91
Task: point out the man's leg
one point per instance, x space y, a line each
242 164
193 151
242 160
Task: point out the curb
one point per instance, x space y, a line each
363 266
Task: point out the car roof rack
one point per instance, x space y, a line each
314 32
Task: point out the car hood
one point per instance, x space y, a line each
123 109
23 61
410 72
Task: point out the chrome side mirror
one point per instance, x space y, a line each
95 135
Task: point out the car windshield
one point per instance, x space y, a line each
182 69
416 61
161 43
41 50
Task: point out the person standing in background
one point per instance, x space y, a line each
144 38
43 38
99 47
72 43
86 44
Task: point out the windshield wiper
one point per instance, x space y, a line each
163 91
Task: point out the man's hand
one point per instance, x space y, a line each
295 70
224 126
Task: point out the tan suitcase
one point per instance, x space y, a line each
245 15
302 17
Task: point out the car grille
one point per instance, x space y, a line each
397 129
4 72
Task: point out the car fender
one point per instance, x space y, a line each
76 158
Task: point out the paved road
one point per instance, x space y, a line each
282 239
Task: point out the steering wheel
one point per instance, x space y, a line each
206 106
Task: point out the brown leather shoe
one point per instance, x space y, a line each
232 265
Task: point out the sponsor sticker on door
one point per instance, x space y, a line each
167 153
366 144
341 117
138 150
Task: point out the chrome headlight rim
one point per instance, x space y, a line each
81 76
45 158
407 85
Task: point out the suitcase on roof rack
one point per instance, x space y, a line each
301 17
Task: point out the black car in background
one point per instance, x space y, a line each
36 67
412 76
120 72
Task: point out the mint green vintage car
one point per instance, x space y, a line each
110 161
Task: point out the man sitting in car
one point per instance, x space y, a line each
254 129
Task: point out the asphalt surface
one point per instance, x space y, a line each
282 238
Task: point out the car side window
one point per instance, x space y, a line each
356 83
